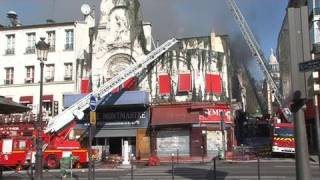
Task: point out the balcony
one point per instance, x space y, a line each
9 51
28 80
49 78
68 46
67 77
30 50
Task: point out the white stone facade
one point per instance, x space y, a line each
57 81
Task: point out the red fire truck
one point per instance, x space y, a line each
283 138
17 146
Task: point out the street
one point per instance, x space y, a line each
270 170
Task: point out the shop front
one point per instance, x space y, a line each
122 124
193 130
171 129
219 132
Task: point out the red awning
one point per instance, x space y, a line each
47 98
213 84
164 84
172 114
26 100
184 83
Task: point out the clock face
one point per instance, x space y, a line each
85 9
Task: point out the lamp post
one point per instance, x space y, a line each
222 132
42 54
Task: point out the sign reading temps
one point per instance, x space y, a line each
213 115
93 103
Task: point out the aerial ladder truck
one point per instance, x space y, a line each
18 149
282 133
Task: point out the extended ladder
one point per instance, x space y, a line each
61 120
255 48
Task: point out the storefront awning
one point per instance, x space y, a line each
8 106
115 133
124 98
47 98
26 99
70 99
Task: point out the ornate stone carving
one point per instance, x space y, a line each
117 63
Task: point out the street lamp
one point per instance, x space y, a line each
222 123
42 54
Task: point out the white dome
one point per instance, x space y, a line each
272 59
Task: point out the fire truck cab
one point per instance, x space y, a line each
283 138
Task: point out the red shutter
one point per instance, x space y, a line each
164 84
208 83
213 84
85 86
216 84
184 83
130 84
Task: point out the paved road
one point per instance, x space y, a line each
225 171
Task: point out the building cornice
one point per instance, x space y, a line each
7 28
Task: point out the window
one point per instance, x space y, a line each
29 74
9 75
164 84
52 40
47 104
10 44
31 44
69 39
49 72
67 71
184 83
213 84
22 144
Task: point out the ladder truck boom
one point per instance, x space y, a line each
255 48
64 118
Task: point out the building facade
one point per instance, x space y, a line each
20 69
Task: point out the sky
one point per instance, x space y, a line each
172 18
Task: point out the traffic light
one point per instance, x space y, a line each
55 108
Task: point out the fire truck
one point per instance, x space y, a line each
283 138
17 146
17 142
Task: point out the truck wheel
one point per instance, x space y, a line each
52 162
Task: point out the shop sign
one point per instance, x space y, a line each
123 119
213 115
23 117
